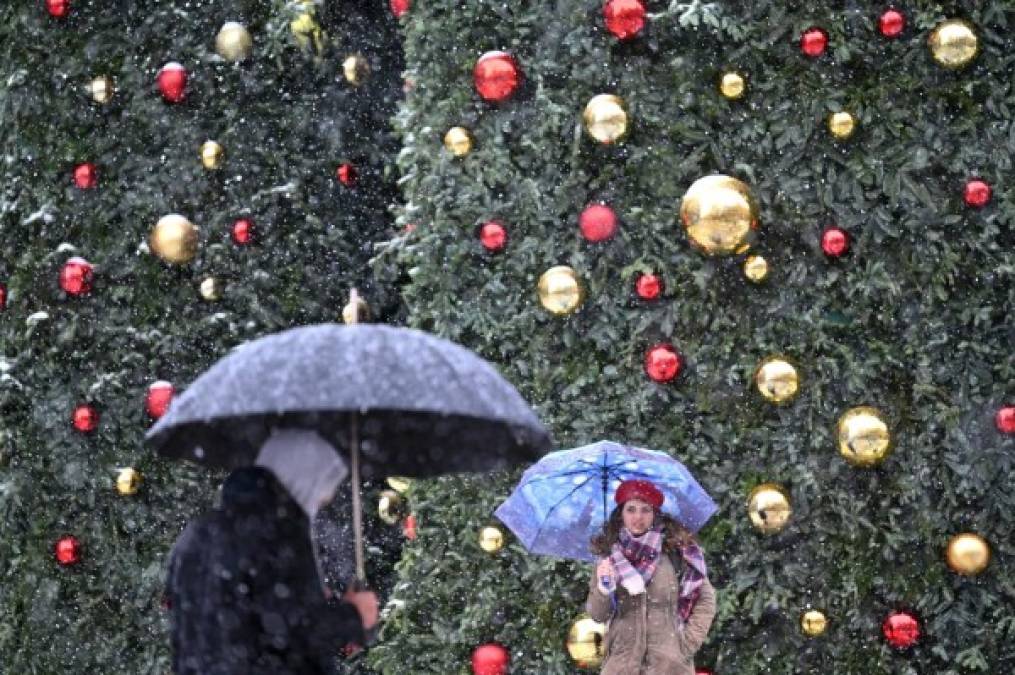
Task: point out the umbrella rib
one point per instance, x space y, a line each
552 508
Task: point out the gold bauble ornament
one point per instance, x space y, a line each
128 481
491 539
842 124
732 85
211 289
756 268
777 379
356 310
968 554
586 642
864 439
769 508
101 89
560 291
212 154
233 41
719 214
174 239
391 507
399 483
355 68
605 118
458 141
305 28
953 43
813 623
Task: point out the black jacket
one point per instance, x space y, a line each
244 593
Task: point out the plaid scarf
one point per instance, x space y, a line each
635 558
692 579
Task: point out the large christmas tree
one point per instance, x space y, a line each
99 141
861 249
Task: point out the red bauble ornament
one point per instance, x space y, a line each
409 527
648 286
901 629
3 297
243 231
346 174
834 242
158 398
490 659
399 7
493 236
598 222
172 82
624 18
977 193
702 671
58 8
86 419
67 550
814 42
1005 419
662 363
76 276
891 23
496 76
86 176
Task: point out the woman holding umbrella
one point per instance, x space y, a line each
650 586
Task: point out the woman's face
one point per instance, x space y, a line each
638 516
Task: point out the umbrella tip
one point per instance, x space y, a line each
355 310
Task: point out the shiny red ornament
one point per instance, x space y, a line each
624 18
243 231
496 76
85 418
703 671
598 222
1005 419
814 42
490 659
901 629
648 286
834 242
76 276
977 193
58 8
86 176
891 23
399 7
67 550
493 236
662 363
158 398
346 174
172 82
3 297
409 527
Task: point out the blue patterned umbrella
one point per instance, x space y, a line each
564 498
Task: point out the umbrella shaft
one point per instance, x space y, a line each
357 504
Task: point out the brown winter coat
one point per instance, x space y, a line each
643 638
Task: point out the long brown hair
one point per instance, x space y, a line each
675 535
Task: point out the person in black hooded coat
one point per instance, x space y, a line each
244 589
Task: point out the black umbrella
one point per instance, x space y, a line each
393 401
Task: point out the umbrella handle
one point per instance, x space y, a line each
357 504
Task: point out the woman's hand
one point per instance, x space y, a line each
604 569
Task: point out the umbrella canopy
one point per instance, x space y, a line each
564 499
417 404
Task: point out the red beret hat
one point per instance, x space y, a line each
639 489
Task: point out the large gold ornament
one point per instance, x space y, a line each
391 507
305 28
756 268
355 68
719 214
864 439
491 539
101 89
211 289
732 85
560 291
128 481
777 379
174 239
968 554
953 43
769 508
605 118
842 124
212 154
586 642
813 623
233 41
457 141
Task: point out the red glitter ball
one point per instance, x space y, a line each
834 242
243 231
490 659
891 23
76 276
58 8
598 222
86 419
662 363
493 236
1005 419
172 82
86 176
399 7
67 550
814 42
158 398
496 76
901 629
624 18
648 286
346 174
977 193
